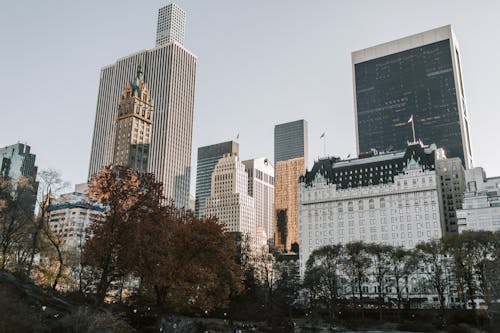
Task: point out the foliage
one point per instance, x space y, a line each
180 261
322 278
356 264
110 243
16 217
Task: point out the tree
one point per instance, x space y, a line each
492 269
402 264
288 285
432 256
463 267
356 264
50 184
322 277
56 240
111 242
380 255
16 216
187 263
267 275
472 252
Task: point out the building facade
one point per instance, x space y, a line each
390 198
134 125
290 162
451 181
481 204
70 214
230 202
261 189
16 161
170 70
419 75
170 25
286 203
290 140
208 156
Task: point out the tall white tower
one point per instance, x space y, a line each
170 71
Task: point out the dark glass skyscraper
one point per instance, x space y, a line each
290 140
419 75
16 161
208 157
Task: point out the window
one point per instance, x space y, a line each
371 204
350 206
382 203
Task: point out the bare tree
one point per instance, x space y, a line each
16 216
356 264
432 256
380 255
51 184
322 277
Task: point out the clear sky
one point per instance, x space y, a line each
260 63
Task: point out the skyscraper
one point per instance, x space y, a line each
261 188
208 156
169 69
230 202
419 75
170 27
290 140
290 155
17 161
133 126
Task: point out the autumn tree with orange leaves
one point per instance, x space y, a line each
182 262
109 249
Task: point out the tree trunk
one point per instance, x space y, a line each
34 244
59 270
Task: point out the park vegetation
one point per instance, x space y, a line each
145 253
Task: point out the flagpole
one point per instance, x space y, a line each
413 129
324 146
323 136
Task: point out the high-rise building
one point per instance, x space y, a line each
419 75
208 157
17 161
290 141
481 205
390 198
170 26
261 188
451 183
286 203
290 156
169 69
134 125
230 202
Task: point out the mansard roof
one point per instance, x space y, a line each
371 168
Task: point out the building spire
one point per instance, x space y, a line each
139 76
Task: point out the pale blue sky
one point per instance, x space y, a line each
259 63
